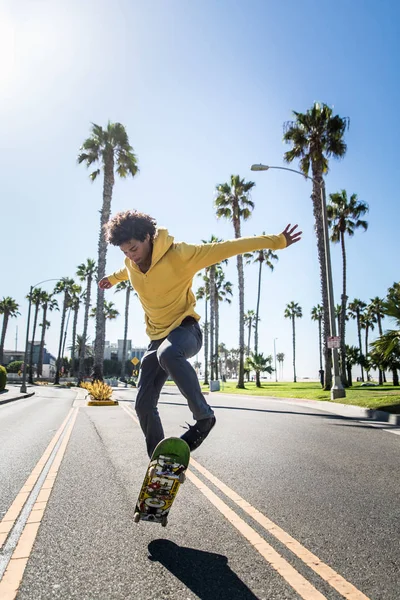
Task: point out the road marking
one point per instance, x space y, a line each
26 516
303 587
336 581
7 522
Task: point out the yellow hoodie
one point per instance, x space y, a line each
165 291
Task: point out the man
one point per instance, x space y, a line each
161 271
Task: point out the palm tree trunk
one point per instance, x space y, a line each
58 362
241 321
366 348
258 382
30 379
74 325
216 335
359 342
81 375
395 377
212 321
343 313
294 349
206 382
349 377
320 342
382 374
257 310
249 338
127 298
319 229
99 343
41 350
3 337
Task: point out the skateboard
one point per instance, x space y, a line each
164 475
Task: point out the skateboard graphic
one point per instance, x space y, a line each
164 475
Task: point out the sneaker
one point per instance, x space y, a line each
197 433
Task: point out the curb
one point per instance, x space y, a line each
17 398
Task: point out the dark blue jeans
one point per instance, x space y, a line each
165 357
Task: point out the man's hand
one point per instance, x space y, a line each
104 284
292 236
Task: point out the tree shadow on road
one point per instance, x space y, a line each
206 574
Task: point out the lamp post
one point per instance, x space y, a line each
337 390
276 374
23 384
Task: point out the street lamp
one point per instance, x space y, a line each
23 384
276 375
337 390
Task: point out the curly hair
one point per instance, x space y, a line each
128 225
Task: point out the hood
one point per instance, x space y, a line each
162 243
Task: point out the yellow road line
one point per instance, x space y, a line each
303 587
335 580
8 521
12 577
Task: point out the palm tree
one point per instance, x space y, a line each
223 351
376 305
262 257
388 347
9 309
233 203
259 363
36 299
293 311
316 136
356 309
109 310
211 273
316 315
204 293
280 358
353 357
223 289
110 147
85 272
65 287
75 301
48 303
249 318
344 217
127 288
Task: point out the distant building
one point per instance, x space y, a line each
10 356
113 351
49 361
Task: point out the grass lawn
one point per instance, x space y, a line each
386 397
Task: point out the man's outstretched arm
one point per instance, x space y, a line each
201 256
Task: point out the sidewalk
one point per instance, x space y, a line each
12 392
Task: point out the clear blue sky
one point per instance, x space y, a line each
203 89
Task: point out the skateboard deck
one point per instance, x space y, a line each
164 475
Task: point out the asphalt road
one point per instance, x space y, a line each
281 502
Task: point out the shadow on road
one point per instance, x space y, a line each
206 574
266 410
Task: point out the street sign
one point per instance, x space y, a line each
135 361
334 342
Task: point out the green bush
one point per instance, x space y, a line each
3 378
15 366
